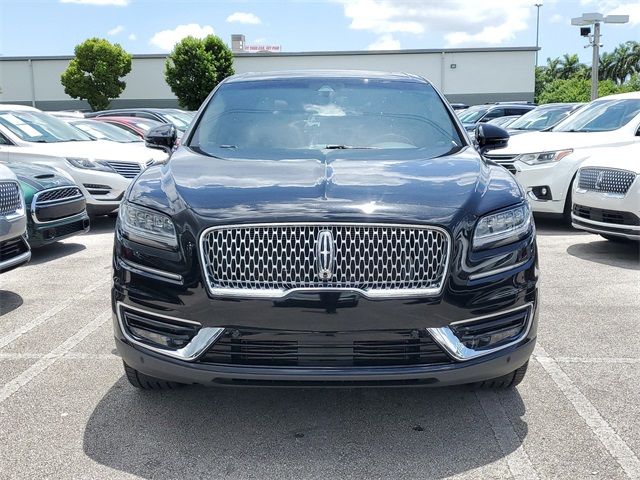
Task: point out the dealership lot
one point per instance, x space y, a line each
66 410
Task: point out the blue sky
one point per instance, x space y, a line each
54 27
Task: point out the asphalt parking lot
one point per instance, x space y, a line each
66 411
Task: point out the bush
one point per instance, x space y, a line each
95 73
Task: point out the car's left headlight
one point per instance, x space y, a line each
502 227
543 157
147 226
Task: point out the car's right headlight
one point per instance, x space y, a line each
502 227
543 157
89 164
147 226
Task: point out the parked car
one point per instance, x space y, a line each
176 117
14 249
102 170
503 122
55 206
606 193
325 228
473 116
545 163
459 106
137 126
543 117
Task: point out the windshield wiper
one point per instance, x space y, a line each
228 146
347 147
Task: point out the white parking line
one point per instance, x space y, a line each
66 356
39 320
614 444
510 444
605 360
50 358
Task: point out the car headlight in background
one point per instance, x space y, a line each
543 157
89 164
506 226
147 226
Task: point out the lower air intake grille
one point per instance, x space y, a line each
605 216
334 349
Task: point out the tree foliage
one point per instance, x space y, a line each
195 67
95 72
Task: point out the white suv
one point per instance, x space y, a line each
103 170
606 193
545 163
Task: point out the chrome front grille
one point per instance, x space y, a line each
126 169
58 194
605 180
378 260
506 161
10 201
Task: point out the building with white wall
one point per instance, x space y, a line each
475 75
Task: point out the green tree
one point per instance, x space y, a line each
195 67
575 89
95 73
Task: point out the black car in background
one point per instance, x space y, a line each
473 116
543 117
325 228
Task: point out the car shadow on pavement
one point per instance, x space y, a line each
54 251
616 254
198 432
9 301
103 224
550 226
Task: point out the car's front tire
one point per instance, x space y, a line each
510 380
147 382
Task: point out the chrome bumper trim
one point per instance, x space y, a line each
205 337
445 337
22 258
149 271
477 276
604 224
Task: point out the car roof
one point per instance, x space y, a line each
18 108
123 119
622 96
312 74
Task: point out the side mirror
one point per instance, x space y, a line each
491 137
163 137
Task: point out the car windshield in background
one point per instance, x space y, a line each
601 116
105 131
472 114
540 118
317 114
40 127
180 121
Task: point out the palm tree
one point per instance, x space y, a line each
570 65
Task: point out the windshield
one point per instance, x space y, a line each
180 121
105 131
601 116
541 118
40 127
472 114
325 113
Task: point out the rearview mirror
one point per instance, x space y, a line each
163 137
491 137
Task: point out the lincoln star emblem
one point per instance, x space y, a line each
599 180
325 254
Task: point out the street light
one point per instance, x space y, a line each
537 5
595 19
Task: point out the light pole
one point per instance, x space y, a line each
595 19
537 5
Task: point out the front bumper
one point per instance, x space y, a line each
627 206
41 234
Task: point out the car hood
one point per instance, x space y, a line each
336 185
35 178
533 142
624 158
97 150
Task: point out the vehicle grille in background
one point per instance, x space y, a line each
379 259
505 161
328 349
12 248
126 169
9 198
96 189
606 180
605 216
58 194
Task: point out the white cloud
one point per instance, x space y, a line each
244 17
556 18
385 42
166 39
460 21
117 3
616 7
116 30
132 37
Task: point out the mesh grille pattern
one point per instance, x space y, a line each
9 198
605 180
371 258
58 194
126 169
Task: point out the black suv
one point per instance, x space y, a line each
325 228
473 116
